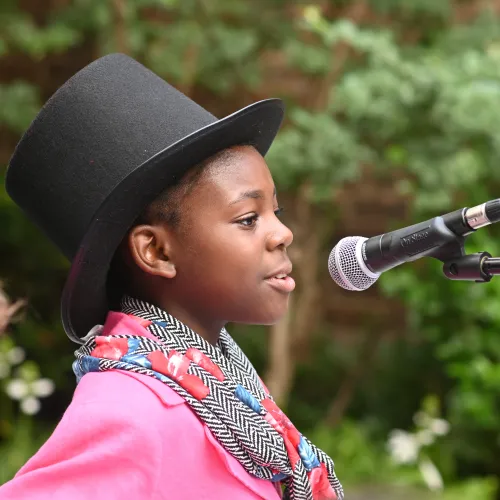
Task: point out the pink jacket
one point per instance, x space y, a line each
127 436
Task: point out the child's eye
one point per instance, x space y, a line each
279 211
249 221
252 219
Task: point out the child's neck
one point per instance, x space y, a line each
209 330
204 327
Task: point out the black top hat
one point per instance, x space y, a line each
103 147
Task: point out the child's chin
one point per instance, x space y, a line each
260 320
262 313
273 317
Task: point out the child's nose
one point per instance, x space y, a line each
280 236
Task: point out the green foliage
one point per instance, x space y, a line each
435 115
480 489
307 150
24 443
357 459
413 9
361 462
23 35
432 113
309 58
20 103
18 31
425 114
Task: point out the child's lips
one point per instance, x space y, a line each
285 285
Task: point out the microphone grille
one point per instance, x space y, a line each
346 265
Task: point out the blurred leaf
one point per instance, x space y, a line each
20 103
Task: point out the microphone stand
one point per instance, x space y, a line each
479 267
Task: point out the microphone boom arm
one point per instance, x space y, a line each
479 267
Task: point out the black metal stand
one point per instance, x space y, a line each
479 267
491 265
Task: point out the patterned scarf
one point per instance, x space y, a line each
222 387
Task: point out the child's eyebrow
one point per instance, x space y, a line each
256 194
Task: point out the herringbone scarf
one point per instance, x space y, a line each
222 387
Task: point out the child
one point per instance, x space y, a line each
170 218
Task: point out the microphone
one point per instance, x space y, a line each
355 263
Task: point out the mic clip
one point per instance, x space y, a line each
479 267
461 267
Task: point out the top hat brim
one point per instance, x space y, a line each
84 301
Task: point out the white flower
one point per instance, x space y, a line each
425 437
431 475
29 392
43 387
30 405
403 447
15 355
17 389
439 426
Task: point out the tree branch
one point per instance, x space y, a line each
348 386
280 371
118 9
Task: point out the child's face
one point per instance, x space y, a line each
231 244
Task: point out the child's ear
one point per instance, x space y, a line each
151 250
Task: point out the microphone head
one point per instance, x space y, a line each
347 266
